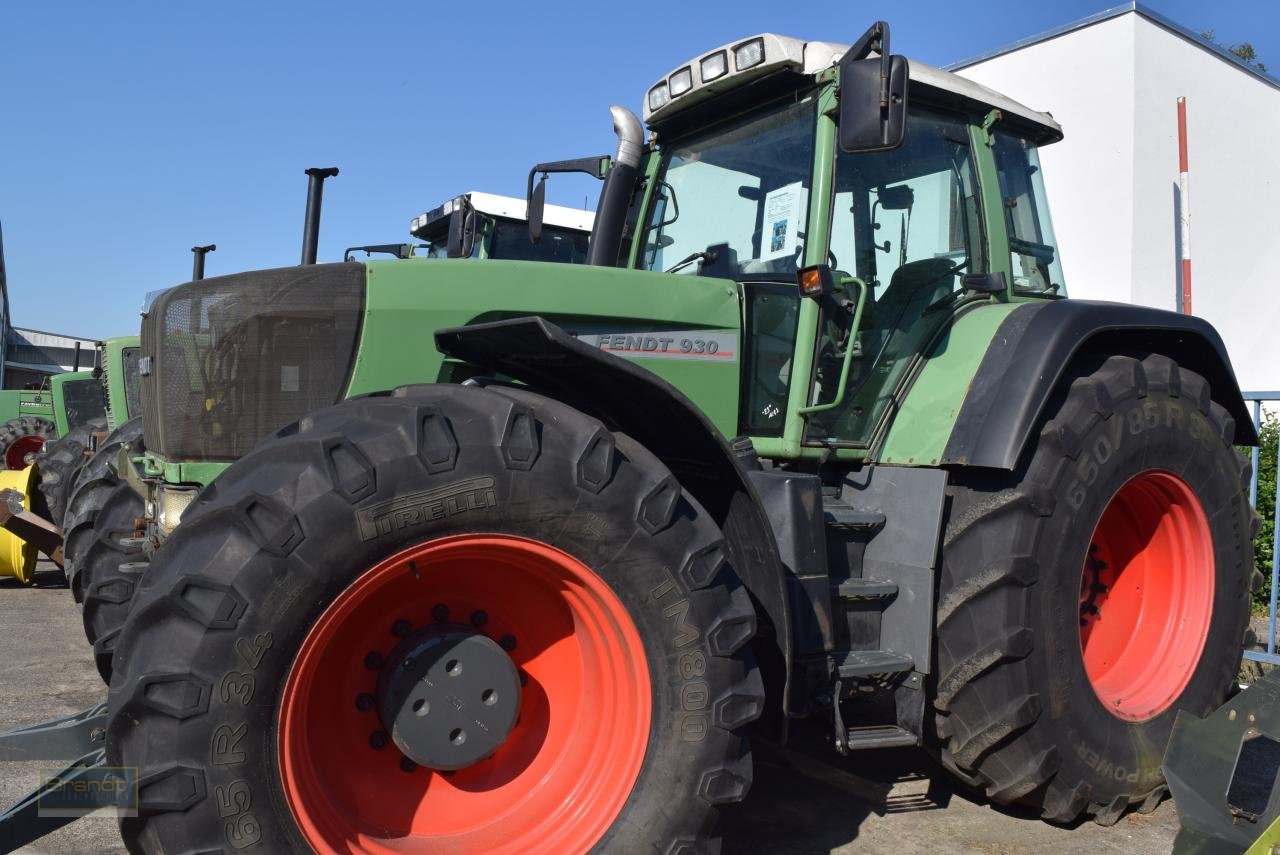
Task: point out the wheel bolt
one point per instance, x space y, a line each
440 612
410 664
479 618
373 660
401 628
507 642
524 678
377 740
364 702
407 765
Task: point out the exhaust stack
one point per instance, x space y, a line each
197 263
311 225
615 196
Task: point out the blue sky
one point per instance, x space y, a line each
132 131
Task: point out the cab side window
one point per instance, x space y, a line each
1037 268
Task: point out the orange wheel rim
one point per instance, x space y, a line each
1146 596
560 777
15 456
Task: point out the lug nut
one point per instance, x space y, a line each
440 612
479 617
407 765
507 643
401 628
410 664
364 701
373 660
524 678
377 740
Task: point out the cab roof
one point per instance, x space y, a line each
785 53
506 207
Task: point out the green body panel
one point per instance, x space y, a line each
118 409
407 301
919 432
57 387
25 402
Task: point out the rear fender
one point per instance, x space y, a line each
1034 349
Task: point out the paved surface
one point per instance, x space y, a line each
804 801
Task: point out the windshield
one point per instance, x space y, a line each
510 240
734 200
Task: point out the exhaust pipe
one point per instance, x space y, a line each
311 225
615 196
197 263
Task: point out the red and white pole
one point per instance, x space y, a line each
1184 207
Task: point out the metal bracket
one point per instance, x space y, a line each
128 473
21 823
63 738
40 533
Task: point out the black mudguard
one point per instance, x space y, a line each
637 402
1034 348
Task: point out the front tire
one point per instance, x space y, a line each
1092 594
60 463
254 674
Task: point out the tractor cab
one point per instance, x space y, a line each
486 225
918 192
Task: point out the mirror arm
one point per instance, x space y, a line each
875 38
597 167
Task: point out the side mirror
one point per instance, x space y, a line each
873 94
462 232
536 197
536 208
868 122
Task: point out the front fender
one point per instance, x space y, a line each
637 402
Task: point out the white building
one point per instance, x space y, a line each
1112 80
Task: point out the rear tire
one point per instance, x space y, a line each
23 437
1022 715
241 652
60 463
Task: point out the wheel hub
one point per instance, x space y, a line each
449 696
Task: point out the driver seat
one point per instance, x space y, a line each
914 287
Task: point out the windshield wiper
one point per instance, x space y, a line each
704 255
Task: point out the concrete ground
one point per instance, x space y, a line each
803 801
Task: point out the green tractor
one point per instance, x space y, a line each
26 424
813 439
88 406
105 552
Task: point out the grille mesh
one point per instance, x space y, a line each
235 358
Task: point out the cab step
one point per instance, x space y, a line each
859 590
839 515
853 664
878 736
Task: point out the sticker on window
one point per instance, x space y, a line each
289 378
783 209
